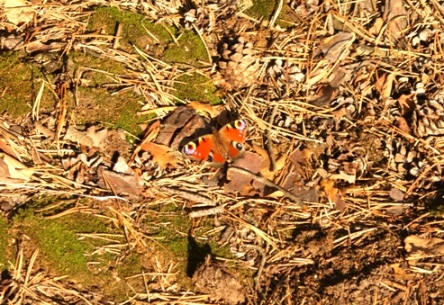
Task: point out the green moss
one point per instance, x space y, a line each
19 84
135 28
189 50
196 87
62 252
97 104
262 9
4 233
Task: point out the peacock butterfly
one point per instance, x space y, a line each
221 146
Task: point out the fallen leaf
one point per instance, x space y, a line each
122 167
402 124
395 17
333 193
18 11
161 154
407 103
400 273
350 178
396 194
337 47
204 109
78 137
241 183
121 184
429 247
14 168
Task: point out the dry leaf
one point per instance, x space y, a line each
204 109
337 47
395 16
14 169
429 247
121 184
333 193
161 154
242 183
396 194
400 273
265 166
402 124
97 137
406 103
18 11
350 178
122 167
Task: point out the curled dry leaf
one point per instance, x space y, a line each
395 17
121 184
333 194
428 247
18 11
13 169
241 183
337 47
205 109
161 154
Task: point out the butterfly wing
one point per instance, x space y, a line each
233 135
204 149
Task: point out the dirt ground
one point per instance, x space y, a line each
221 152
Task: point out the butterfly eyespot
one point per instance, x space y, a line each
210 158
238 146
240 124
189 149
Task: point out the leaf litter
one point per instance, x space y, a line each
344 105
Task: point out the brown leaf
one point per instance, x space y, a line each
333 193
161 154
336 47
121 184
241 183
15 169
396 194
407 103
395 17
430 247
402 124
324 95
204 109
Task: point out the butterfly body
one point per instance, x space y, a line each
219 147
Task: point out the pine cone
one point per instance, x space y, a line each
238 64
282 73
428 118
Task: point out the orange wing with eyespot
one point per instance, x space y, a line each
216 148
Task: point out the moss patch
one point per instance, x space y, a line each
19 84
4 228
97 104
261 9
63 253
135 28
196 87
189 50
